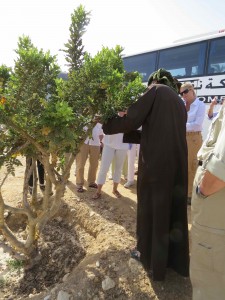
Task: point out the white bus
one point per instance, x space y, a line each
199 59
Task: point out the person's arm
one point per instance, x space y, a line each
210 184
211 107
135 116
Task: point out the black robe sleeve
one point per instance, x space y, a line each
135 117
132 137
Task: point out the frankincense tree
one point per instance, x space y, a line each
43 117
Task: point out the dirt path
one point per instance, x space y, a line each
85 251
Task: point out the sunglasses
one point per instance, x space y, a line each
184 92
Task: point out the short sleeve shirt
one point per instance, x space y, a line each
212 152
95 139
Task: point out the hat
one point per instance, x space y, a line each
164 77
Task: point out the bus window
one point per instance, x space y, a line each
185 60
145 64
216 62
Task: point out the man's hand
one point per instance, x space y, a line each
122 113
214 101
210 184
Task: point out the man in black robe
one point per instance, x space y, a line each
162 225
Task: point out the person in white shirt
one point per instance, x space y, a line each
196 113
113 148
91 148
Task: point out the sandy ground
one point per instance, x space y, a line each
102 232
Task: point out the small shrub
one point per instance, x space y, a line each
2 282
15 264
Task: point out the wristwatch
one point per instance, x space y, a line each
199 193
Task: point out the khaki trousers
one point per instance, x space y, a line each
81 158
194 143
207 265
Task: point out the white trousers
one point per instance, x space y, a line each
131 161
108 154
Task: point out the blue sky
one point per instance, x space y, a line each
135 25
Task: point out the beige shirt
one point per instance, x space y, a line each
208 213
212 152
